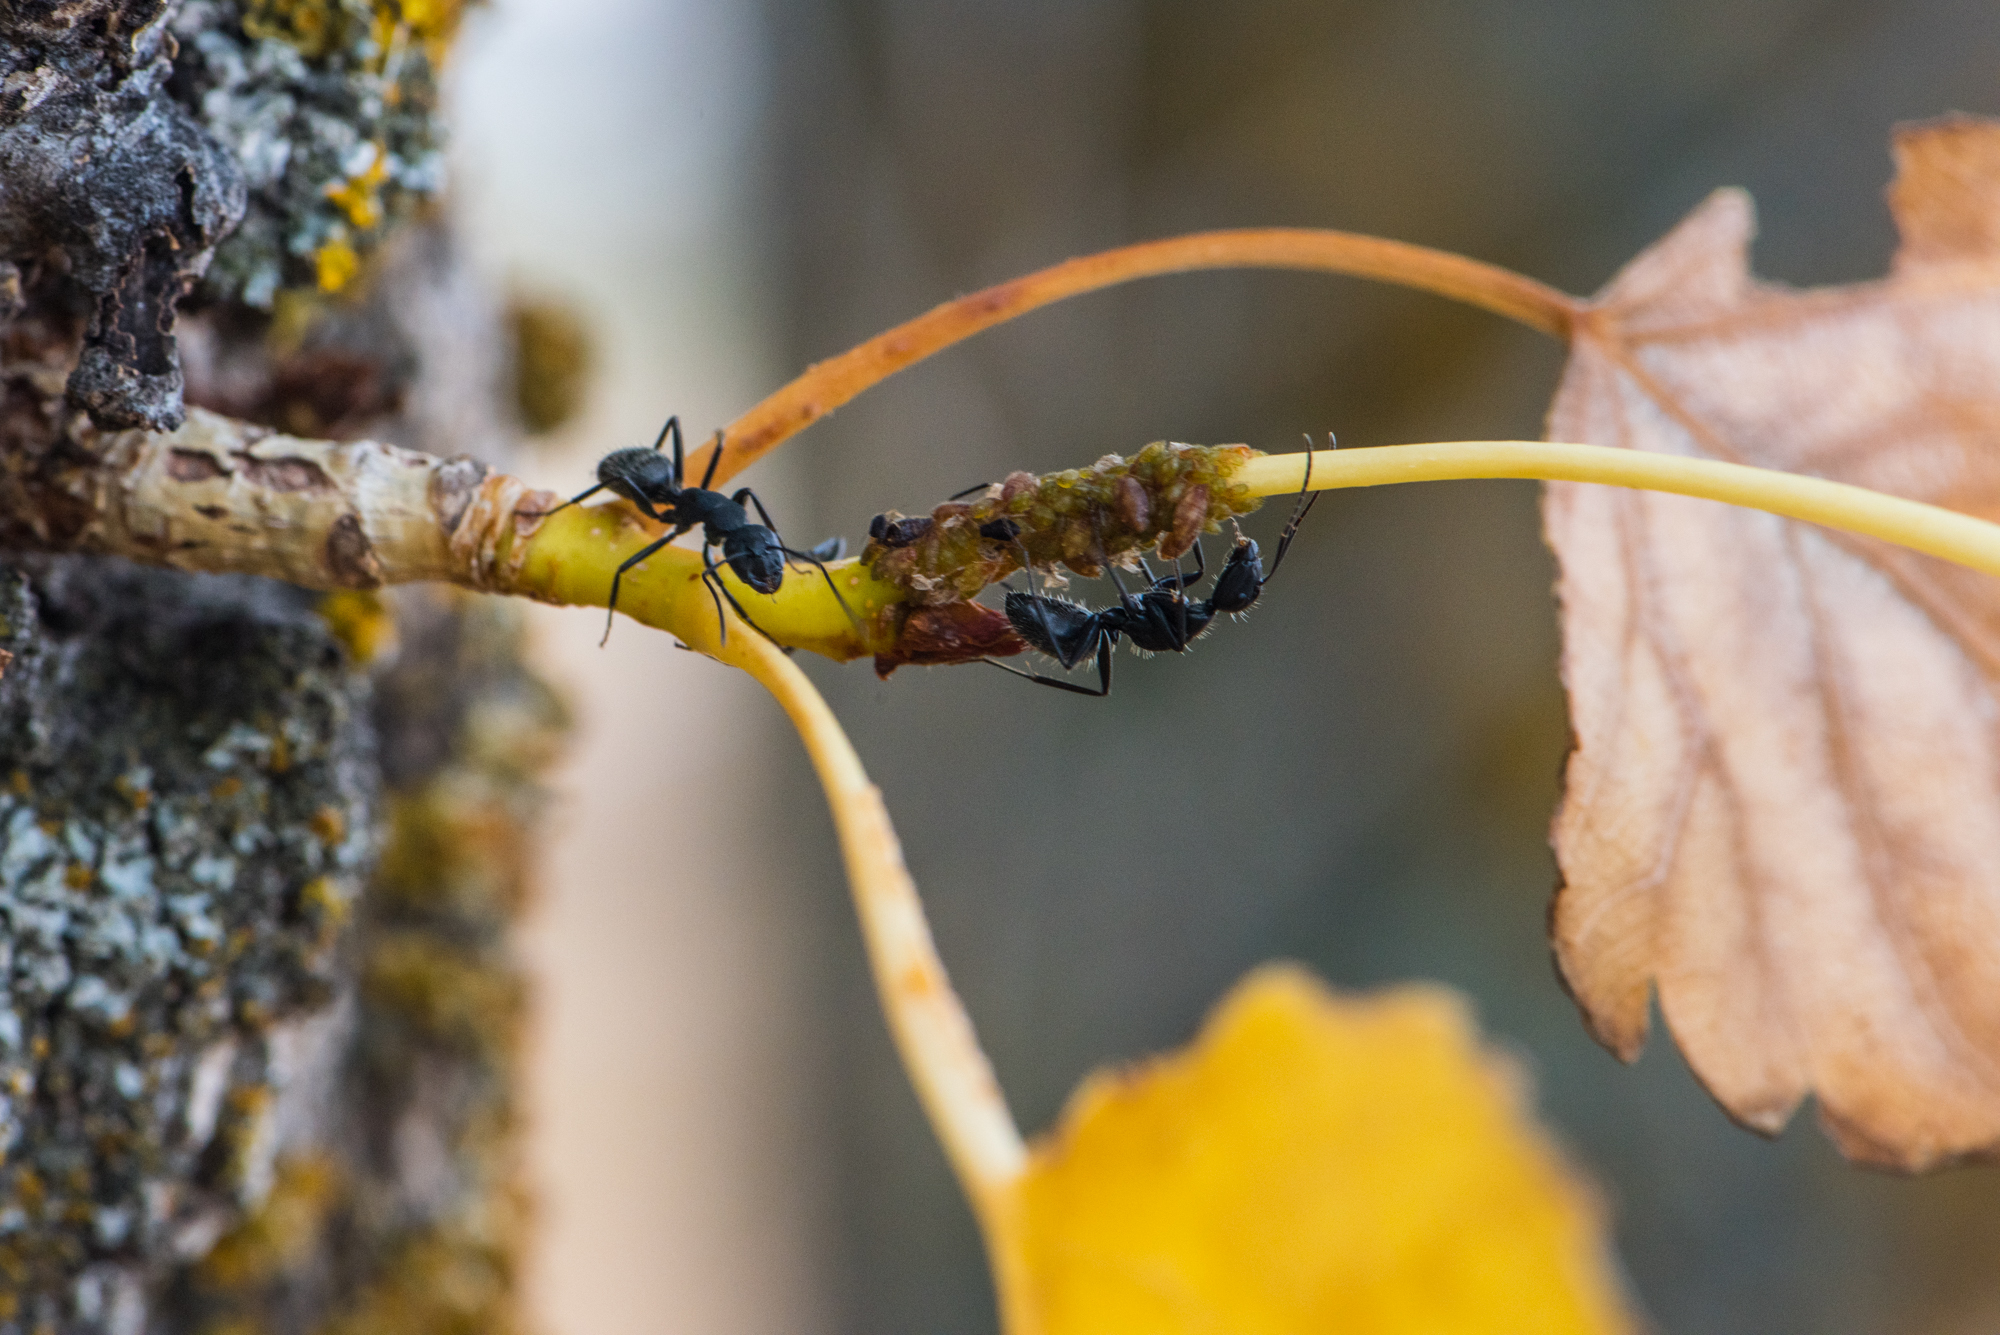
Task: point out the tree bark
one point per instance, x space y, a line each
260 848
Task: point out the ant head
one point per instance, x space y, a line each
1241 580
762 567
638 475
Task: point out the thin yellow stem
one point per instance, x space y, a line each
834 381
568 558
1925 528
932 1031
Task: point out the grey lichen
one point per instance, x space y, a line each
329 107
406 1216
185 819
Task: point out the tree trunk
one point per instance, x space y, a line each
260 848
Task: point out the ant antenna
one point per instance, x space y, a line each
1307 499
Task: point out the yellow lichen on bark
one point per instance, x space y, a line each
1312 1162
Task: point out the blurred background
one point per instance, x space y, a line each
1359 778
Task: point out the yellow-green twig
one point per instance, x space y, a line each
569 561
932 1031
1930 529
571 556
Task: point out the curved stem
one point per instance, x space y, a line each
1930 529
932 1031
833 382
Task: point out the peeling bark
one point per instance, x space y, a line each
111 182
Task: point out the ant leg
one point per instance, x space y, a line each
1303 506
746 494
583 495
673 426
714 584
713 459
611 604
1104 648
711 575
1041 615
1039 601
1116 582
1104 666
810 559
1027 563
1181 602
977 486
811 555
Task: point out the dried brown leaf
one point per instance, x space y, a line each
1783 808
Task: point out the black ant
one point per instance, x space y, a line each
754 552
1160 620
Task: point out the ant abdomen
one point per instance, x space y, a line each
1065 631
637 474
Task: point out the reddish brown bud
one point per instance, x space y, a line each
1190 516
956 632
1132 504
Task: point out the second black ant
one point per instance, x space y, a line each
653 482
1160 620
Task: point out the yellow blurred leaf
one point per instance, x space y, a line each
1313 1162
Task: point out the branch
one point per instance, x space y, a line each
224 496
219 495
932 1031
1930 529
